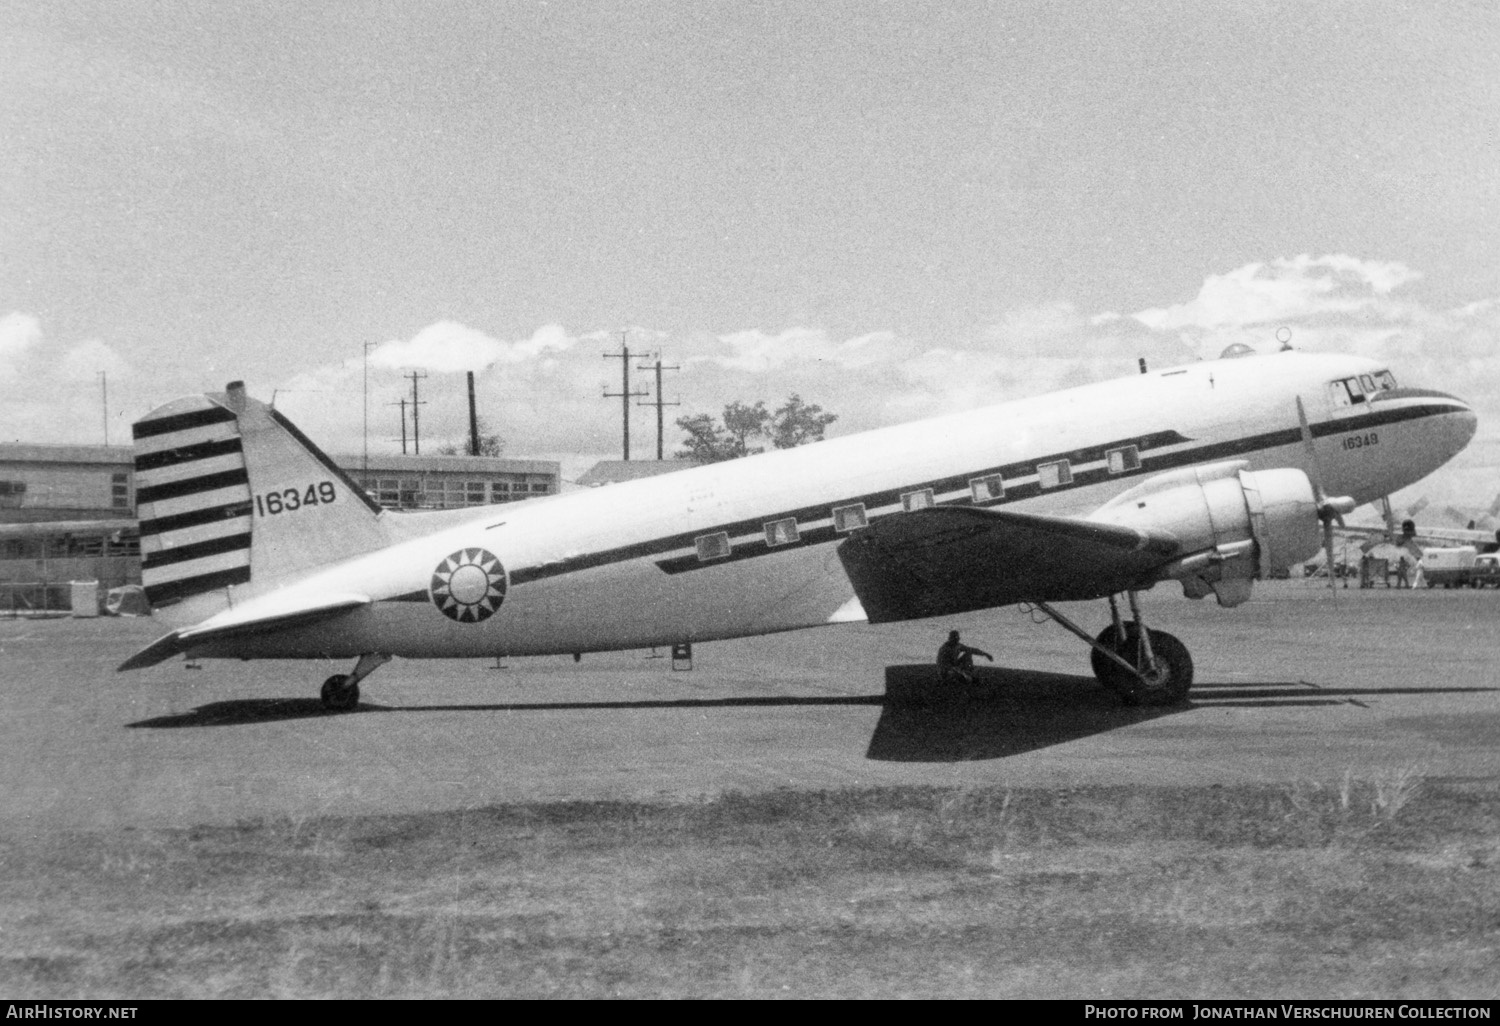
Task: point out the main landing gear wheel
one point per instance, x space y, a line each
338 694
1165 682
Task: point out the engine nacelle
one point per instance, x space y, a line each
1233 524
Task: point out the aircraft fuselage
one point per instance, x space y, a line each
749 546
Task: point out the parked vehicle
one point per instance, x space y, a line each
1485 573
1449 567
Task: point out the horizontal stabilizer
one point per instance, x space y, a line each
236 624
945 560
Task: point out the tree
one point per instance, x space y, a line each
710 441
490 443
705 440
795 423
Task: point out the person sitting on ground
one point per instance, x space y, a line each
956 660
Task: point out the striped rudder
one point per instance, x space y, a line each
193 500
231 495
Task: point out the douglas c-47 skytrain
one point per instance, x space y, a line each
255 546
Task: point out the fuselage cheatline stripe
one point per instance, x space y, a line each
1014 492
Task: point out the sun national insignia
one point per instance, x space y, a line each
469 585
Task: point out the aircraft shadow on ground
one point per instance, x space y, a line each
261 710
1004 712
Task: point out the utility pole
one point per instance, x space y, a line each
365 468
473 419
657 402
416 415
402 403
104 398
624 393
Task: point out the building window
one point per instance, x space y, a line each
499 491
712 546
987 488
919 499
540 488
782 532
474 494
1123 459
849 518
1054 475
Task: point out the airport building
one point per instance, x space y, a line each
67 512
447 482
65 482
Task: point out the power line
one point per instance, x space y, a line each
401 403
625 394
416 414
657 402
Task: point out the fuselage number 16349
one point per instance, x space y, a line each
288 500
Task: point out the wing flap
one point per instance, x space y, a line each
946 560
229 625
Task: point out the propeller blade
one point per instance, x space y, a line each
1330 509
1328 548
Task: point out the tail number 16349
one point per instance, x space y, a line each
289 500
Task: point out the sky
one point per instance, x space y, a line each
890 209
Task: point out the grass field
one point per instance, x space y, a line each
1385 887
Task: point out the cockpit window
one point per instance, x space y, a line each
1350 391
1346 392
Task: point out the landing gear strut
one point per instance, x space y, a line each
1142 666
340 692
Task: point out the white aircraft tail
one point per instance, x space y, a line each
233 500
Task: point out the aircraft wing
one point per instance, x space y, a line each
943 560
230 625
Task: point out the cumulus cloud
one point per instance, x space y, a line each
1282 290
84 361
51 389
544 392
19 332
448 347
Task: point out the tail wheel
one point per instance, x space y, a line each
338 694
1166 682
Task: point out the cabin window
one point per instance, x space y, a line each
987 488
919 499
712 546
781 532
1123 459
1054 475
1385 380
1367 383
849 518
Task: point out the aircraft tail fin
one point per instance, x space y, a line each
233 499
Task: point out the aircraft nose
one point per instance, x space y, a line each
1456 425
